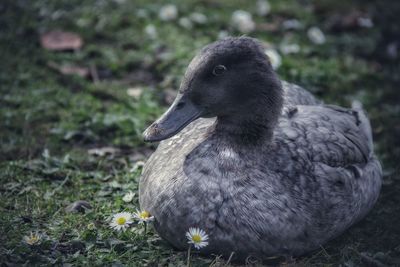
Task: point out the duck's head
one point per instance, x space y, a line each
231 79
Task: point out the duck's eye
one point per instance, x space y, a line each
219 70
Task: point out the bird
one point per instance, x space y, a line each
260 164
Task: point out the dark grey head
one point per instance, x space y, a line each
231 79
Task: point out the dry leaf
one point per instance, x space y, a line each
140 154
78 206
135 92
70 69
59 40
102 151
268 27
350 21
80 71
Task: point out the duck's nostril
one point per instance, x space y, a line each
180 105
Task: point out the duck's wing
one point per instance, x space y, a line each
329 134
296 95
333 164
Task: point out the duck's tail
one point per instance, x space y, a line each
364 125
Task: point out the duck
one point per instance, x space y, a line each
260 164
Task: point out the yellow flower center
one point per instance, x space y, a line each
144 215
196 238
121 221
33 240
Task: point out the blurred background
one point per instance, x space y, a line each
80 80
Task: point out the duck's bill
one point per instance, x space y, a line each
181 113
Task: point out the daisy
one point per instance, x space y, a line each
316 35
186 23
168 12
223 34
289 48
143 216
121 221
151 31
243 21
263 7
274 58
197 237
365 22
128 197
33 239
292 24
198 18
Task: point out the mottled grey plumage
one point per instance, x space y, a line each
277 173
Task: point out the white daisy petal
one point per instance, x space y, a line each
128 197
33 239
365 22
289 48
292 24
186 23
168 12
121 221
263 7
143 216
274 58
197 237
316 35
243 21
223 34
198 18
151 31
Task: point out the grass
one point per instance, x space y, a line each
51 123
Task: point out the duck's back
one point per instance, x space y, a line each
295 95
